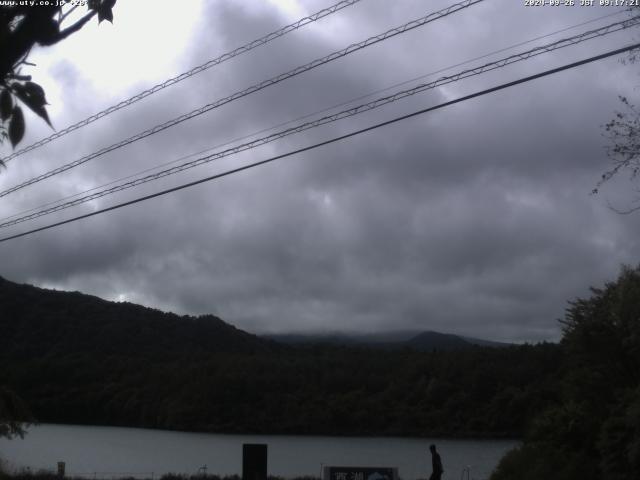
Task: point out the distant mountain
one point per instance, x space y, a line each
438 341
48 322
342 338
78 359
486 343
422 341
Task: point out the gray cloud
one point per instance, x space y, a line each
475 219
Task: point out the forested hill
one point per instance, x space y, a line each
410 339
36 321
46 321
78 359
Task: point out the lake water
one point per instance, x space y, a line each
109 452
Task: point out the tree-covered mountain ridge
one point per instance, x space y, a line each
75 358
34 319
27 306
395 339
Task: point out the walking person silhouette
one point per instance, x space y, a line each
436 464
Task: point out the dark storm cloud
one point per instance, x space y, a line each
475 219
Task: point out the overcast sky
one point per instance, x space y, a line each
475 219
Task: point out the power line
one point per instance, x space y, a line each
308 115
337 116
614 27
317 112
254 88
183 76
332 140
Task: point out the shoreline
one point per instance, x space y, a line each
435 436
105 452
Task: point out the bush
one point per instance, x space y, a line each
594 431
542 461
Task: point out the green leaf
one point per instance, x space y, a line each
33 97
35 91
4 32
104 10
105 13
6 104
16 126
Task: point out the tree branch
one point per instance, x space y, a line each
623 212
24 78
63 16
76 26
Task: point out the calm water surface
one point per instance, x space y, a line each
111 452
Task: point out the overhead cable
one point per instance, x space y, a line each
308 115
183 76
254 88
332 140
332 118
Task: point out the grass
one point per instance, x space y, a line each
49 475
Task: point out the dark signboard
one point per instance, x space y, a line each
360 473
254 461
